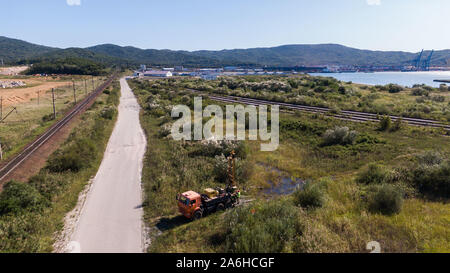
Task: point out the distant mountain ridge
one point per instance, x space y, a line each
14 51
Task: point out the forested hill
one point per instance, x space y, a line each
14 51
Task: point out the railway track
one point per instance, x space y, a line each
345 115
15 162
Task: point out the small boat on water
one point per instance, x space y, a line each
443 81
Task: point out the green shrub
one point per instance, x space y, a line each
386 199
419 92
266 227
48 117
374 174
310 197
394 88
22 233
339 135
438 98
430 158
108 113
385 123
48 184
68 161
433 181
397 125
17 196
74 157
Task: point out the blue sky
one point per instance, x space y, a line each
407 25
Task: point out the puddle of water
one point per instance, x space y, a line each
285 186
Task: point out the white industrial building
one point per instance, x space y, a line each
157 73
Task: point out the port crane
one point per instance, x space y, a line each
422 66
416 61
426 64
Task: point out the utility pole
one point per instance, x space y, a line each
53 99
74 94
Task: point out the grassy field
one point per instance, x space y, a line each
33 117
420 101
31 213
359 182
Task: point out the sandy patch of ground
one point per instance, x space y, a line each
14 96
12 71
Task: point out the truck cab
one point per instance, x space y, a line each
188 203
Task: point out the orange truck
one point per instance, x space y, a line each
194 205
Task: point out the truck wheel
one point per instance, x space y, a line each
197 215
220 207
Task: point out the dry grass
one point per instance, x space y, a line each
23 125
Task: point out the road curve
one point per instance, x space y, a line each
111 219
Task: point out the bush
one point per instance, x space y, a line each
47 184
385 123
310 197
48 117
74 157
438 98
430 158
419 92
17 196
339 135
108 113
394 88
433 181
68 161
374 174
269 227
386 199
398 124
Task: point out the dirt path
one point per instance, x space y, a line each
111 218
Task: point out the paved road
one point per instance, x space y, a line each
111 220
